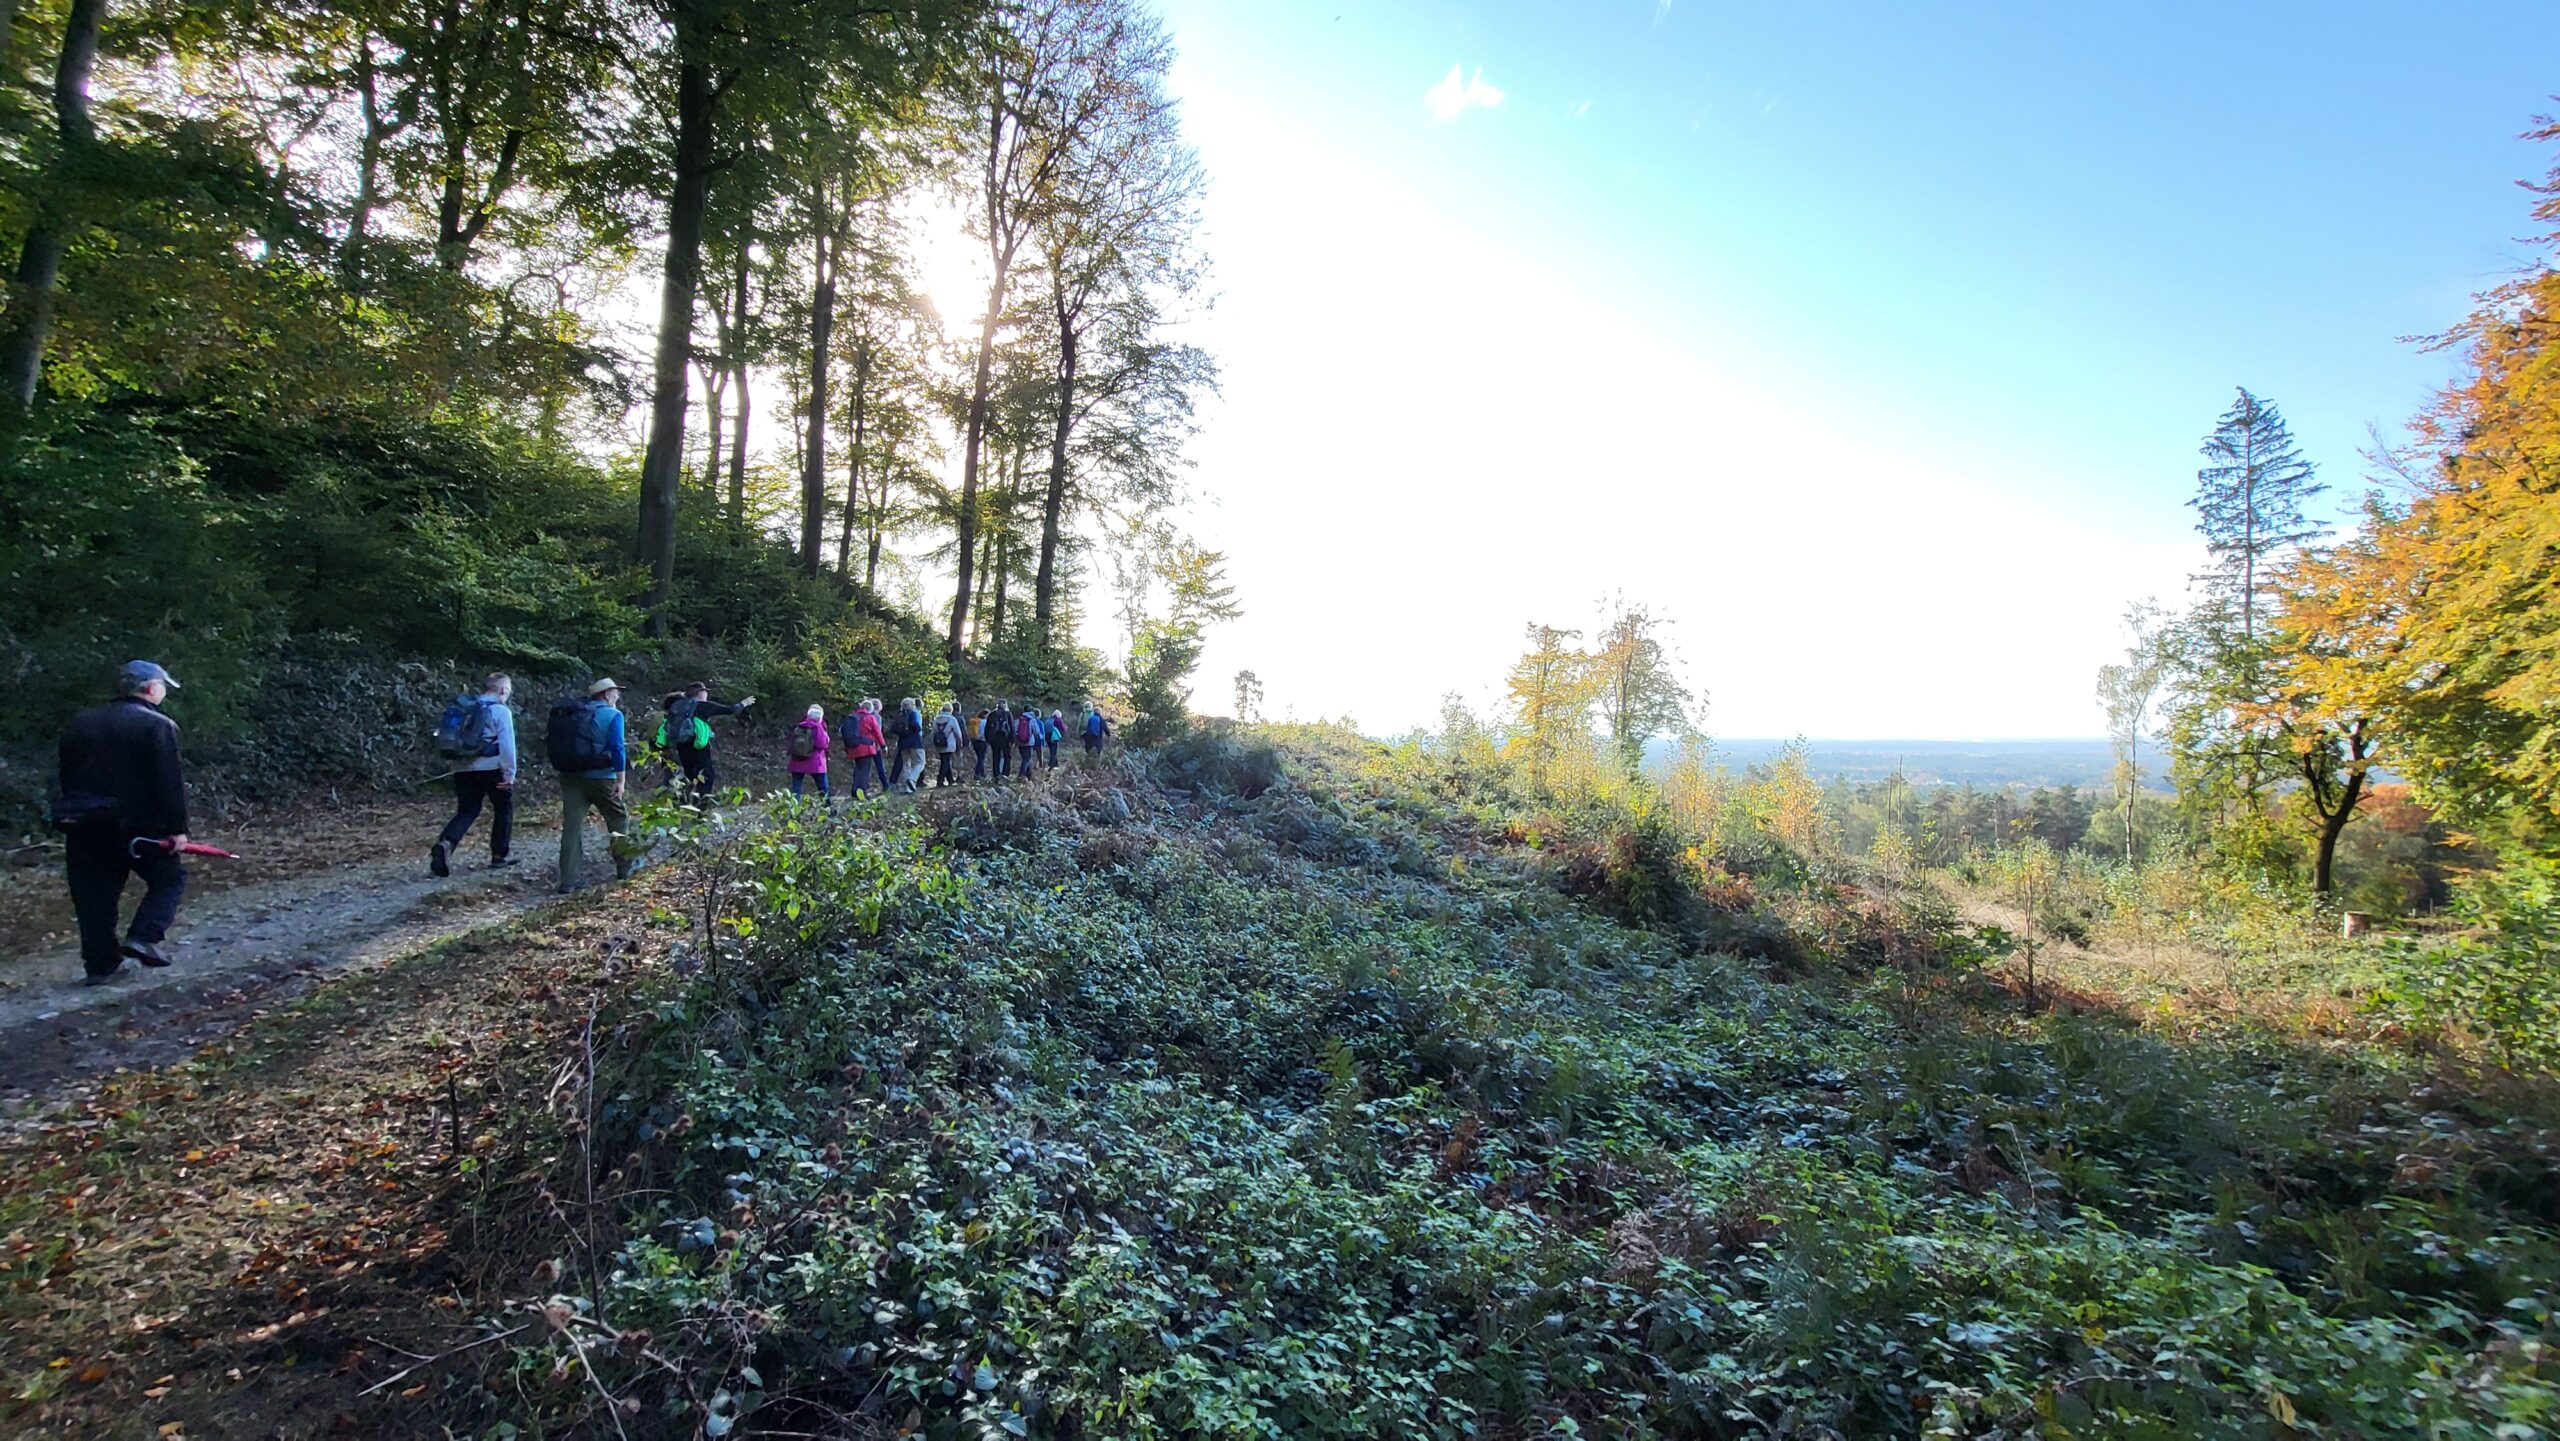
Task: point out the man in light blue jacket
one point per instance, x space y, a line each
488 778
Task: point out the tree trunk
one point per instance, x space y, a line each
738 373
368 167
1054 508
2333 821
8 33
40 262
853 469
973 451
715 392
662 468
986 567
822 328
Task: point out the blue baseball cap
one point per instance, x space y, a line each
140 673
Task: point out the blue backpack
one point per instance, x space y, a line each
468 732
1094 725
578 740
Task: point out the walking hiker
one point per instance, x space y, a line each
1097 729
122 811
978 744
587 744
863 741
910 733
686 735
1026 738
809 752
946 745
478 734
1057 724
1000 737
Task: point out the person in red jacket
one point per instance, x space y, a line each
864 740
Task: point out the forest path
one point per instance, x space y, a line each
240 950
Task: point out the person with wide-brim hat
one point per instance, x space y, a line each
591 750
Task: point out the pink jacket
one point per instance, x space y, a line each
868 740
816 764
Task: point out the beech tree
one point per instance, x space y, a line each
1636 685
1551 694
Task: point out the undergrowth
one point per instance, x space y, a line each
1305 1102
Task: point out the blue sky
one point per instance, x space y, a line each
1872 343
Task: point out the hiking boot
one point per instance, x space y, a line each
440 860
500 863
105 978
147 953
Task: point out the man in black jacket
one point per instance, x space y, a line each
123 813
701 773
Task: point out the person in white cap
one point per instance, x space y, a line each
588 748
122 811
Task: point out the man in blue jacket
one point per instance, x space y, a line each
597 788
123 813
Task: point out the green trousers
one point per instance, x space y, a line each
577 795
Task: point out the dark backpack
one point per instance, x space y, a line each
804 742
685 723
468 731
578 741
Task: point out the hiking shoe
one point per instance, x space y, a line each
440 860
147 953
500 863
104 978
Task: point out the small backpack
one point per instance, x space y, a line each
695 730
575 741
804 742
467 732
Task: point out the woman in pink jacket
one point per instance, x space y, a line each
863 740
809 751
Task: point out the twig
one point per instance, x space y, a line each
431 1360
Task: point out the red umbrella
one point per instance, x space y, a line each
191 848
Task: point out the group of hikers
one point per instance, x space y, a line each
1003 741
122 805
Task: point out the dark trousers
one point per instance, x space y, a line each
800 777
873 766
1093 745
471 791
1053 754
1004 758
1030 759
942 775
701 774
98 865
979 771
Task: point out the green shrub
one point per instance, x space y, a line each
2501 982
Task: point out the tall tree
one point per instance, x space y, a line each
1115 231
2249 501
2249 506
31 299
1030 110
1551 694
2126 690
1636 685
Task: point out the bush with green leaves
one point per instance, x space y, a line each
2499 982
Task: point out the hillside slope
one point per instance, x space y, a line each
1232 1091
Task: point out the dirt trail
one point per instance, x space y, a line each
239 951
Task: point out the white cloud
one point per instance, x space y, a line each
1459 93
1582 109
1662 12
